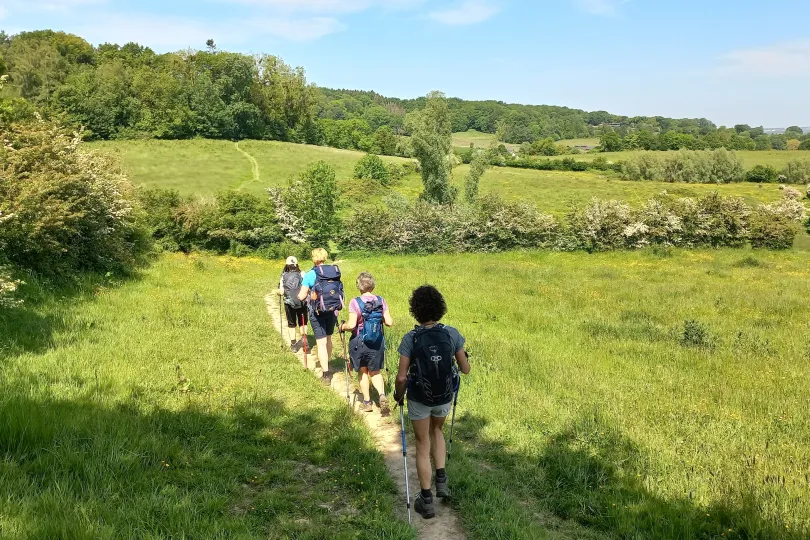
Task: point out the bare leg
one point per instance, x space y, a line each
364 387
328 351
437 442
378 382
421 429
323 354
291 333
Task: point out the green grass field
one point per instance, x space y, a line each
205 167
580 142
104 436
594 398
463 139
619 395
775 158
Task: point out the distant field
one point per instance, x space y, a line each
774 158
206 167
480 140
580 142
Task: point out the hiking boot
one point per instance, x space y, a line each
295 346
366 406
385 410
326 379
442 490
424 507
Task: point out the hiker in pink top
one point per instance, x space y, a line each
367 315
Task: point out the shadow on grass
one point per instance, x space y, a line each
592 475
47 310
78 469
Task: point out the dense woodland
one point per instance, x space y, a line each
130 91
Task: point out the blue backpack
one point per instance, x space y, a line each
372 331
327 294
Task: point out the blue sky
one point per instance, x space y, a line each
730 61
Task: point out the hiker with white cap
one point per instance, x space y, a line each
289 287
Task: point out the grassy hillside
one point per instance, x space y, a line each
163 407
645 396
205 167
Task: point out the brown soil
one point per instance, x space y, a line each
386 432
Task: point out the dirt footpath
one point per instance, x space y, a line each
386 432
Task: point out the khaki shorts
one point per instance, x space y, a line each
417 411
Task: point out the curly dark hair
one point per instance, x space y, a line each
427 304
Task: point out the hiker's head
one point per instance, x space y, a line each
319 256
365 282
291 265
427 304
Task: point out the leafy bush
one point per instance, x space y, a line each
713 220
772 230
600 225
797 171
763 174
64 210
371 167
692 166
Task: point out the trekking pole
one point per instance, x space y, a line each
405 458
304 341
453 419
280 322
346 367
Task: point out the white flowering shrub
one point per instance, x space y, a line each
663 225
7 288
774 226
601 225
63 209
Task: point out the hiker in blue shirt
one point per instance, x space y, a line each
367 315
323 290
426 367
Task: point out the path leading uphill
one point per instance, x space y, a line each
386 431
253 164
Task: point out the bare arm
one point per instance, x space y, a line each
351 323
402 375
463 361
303 293
387 319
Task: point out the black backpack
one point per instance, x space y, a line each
430 375
292 286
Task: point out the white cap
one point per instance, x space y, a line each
292 260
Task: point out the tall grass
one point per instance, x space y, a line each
641 395
164 407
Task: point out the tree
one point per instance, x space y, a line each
739 128
212 47
432 140
385 141
805 145
793 144
371 167
609 141
478 166
794 132
313 197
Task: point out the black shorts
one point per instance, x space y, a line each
324 324
363 356
294 316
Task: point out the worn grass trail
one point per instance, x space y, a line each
254 165
386 433
164 407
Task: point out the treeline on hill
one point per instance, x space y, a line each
130 91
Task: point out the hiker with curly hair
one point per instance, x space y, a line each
428 356
367 315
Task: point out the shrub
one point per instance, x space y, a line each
241 223
713 220
65 210
600 226
499 226
693 166
644 166
695 334
764 174
797 171
773 228
396 172
307 210
371 167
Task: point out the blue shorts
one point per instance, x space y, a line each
363 356
324 324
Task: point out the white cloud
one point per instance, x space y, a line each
602 8
468 12
779 60
328 7
175 33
